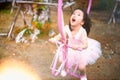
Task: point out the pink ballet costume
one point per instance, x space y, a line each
85 56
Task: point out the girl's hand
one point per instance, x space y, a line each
55 39
75 47
52 40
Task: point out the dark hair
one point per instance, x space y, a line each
87 22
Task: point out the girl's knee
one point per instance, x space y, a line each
82 70
82 67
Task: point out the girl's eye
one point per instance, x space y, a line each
78 14
73 13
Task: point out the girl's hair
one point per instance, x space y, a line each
87 22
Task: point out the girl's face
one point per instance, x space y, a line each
76 18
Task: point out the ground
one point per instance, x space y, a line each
39 55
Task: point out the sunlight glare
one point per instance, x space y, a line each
15 70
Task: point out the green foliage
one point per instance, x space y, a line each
42 7
28 32
105 5
5 11
39 25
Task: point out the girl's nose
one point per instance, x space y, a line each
74 16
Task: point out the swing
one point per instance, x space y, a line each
57 69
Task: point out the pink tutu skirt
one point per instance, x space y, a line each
84 57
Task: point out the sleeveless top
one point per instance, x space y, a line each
83 57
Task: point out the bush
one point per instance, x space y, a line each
5 5
105 5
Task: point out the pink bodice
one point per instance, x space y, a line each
74 41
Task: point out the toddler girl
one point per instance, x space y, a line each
77 37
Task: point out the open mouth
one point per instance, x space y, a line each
73 20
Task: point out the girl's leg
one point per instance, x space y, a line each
63 72
83 72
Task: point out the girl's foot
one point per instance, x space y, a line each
83 77
63 73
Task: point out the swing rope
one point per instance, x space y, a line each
63 45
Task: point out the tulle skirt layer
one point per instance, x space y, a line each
84 57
